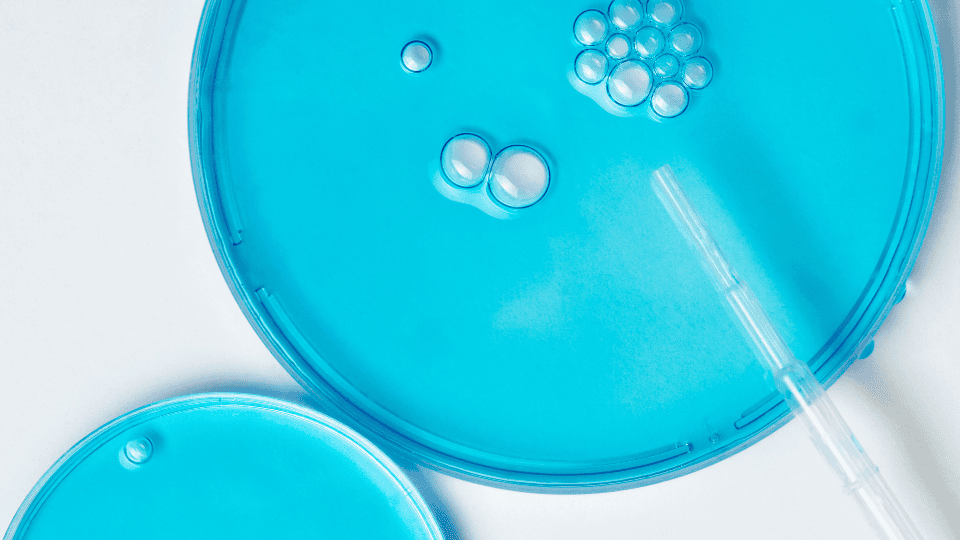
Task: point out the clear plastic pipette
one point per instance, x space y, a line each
793 378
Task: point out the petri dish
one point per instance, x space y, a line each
573 344
223 466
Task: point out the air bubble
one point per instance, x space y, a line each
464 160
697 73
686 39
669 100
416 56
629 83
625 14
666 66
649 42
520 177
590 28
665 12
591 66
618 46
138 450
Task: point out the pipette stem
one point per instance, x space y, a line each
793 378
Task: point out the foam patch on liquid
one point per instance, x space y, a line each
639 59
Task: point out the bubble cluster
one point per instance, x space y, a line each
641 52
517 177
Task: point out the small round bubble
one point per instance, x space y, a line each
629 83
618 46
649 42
464 160
416 56
519 177
590 28
591 66
686 39
665 12
697 73
138 450
625 14
666 66
669 100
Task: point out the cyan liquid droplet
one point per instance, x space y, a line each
519 177
665 12
138 450
464 160
666 66
416 56
629 83
625 14
697 73
591 66
649 42
669 100
590 28
685 39
618 46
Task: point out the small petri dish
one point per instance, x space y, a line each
223 466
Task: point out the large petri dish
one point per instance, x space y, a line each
223 466
442 230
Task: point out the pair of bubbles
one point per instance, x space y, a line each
647 48
517 177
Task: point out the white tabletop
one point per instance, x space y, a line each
112 299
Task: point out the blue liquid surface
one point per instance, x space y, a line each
578 343
225 466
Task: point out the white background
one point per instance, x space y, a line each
111 299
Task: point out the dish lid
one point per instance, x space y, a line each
438 215
223 466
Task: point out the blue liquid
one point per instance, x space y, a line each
224 466
580 344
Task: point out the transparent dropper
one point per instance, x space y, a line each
793 378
